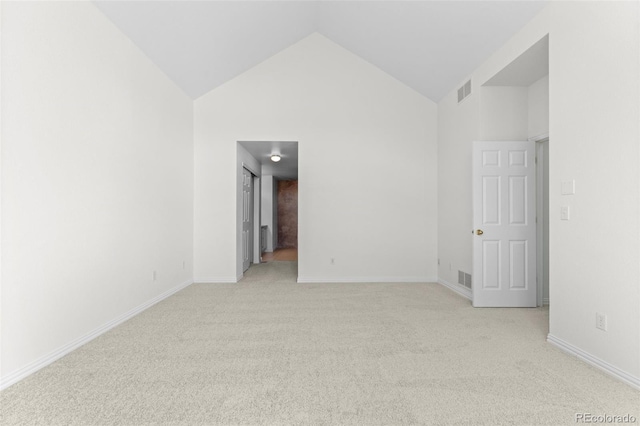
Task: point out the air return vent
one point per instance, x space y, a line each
464 279
464 91
467 280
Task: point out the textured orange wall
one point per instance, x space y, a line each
287 214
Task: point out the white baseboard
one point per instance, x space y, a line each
313 280
596 362
460 289
216 280
41 362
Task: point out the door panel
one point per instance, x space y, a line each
490 264
518 264
247 219
491 200
504 240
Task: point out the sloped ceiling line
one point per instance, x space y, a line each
428 45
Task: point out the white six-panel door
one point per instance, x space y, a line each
504 234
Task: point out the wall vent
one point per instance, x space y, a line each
464 279
464 91
467 280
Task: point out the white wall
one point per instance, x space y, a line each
538 108
594 128
367 165
458 125
97 183
503 113
594 82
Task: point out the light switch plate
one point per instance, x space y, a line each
569 187
564 213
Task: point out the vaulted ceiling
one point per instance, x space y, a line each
428 45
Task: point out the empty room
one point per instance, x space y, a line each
319 212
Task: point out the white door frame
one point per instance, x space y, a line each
257 218
541 209
255 168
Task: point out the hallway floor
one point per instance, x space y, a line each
285 254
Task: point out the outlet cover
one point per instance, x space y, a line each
601 321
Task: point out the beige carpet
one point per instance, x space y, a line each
272 352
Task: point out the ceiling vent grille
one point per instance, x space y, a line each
464 91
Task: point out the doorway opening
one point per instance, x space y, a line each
274 213
284 246
288 216
511 223
514 106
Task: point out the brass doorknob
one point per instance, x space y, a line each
479 232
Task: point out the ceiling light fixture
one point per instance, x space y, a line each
275 158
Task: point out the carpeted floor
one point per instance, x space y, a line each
268 351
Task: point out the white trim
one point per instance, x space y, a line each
42 362
250 169
216 280
539 163
542 161
257 219
594 361
310 280
539 138
460 289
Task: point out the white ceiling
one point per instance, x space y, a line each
286 168
428 45
526 69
